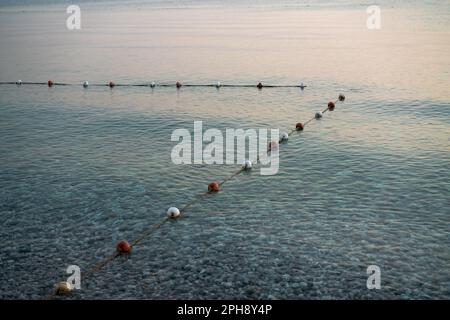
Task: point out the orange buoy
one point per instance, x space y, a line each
178 84
299 126
111 84
331 106
259 85
123 247
50 83
214 187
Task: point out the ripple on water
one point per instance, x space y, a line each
358 187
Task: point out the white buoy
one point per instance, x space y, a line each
85 84
284 136
318 114
247 165
218 84
19 82
173 212
152 84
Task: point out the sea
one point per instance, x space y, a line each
83 168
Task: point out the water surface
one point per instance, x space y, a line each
368 184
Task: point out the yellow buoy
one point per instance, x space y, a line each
63 287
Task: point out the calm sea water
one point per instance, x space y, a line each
368 184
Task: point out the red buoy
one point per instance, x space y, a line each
178 84
111 84
331 106
213 187
123 247
50 83
299 126
259 85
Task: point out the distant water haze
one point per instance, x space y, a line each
254 41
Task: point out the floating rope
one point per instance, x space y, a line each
153 84
123 247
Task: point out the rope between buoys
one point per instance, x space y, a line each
152 85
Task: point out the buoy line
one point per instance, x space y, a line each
153 84
124 247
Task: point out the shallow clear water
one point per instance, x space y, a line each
368 184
